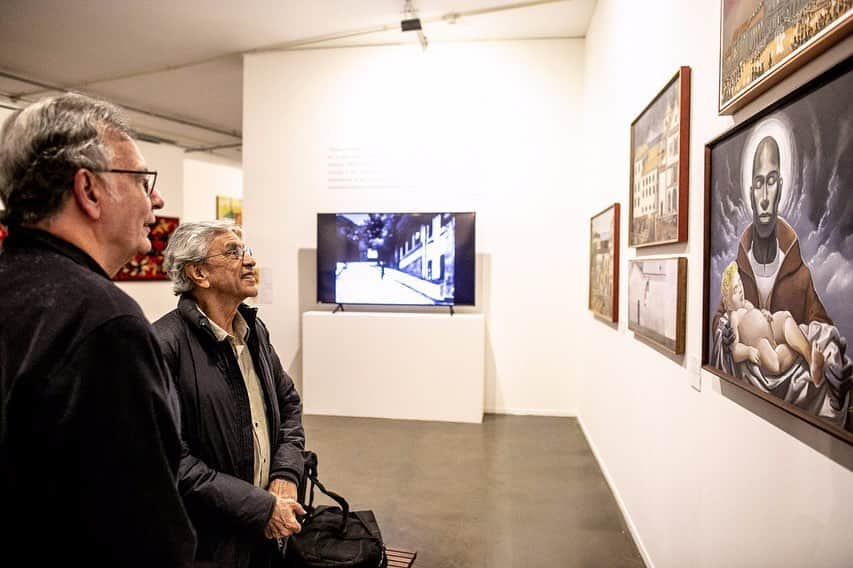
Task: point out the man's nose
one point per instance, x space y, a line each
765 198
157 201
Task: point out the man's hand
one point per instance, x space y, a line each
283 488
283 520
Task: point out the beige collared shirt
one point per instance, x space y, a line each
256 394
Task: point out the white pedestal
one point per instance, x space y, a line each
394 365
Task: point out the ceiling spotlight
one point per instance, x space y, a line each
412 23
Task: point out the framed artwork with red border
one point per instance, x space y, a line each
150 266
660 144
604 264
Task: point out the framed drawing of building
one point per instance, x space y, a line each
778 284
657 295
604 264
660 138
764 41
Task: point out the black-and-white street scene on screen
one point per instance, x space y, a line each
391 258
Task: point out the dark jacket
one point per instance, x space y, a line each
89 444
217 470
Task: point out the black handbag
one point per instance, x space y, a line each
333 535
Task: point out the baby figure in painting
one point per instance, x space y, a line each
771 341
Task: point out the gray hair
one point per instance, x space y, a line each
189 244
43 145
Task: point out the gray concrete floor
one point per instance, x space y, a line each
515 491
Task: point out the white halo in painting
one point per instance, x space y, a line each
780 130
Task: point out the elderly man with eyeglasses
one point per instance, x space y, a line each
89 439
241 415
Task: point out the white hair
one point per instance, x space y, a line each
189 244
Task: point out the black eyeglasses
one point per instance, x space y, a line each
148 181
237 253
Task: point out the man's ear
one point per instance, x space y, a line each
87 193
197 274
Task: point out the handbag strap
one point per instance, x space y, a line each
311 474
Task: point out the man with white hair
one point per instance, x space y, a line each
240 413
89 439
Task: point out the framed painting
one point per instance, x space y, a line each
657 292
762 42
604 264
778 284
229 208
660 138
150 266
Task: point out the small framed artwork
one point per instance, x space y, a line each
657 290
229 208
660 138
150 266
762 42
604 264
778 284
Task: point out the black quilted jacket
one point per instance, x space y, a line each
216 471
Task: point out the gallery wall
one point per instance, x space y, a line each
488 127
715 477
205 177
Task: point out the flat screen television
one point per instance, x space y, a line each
403 259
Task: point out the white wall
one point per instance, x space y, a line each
488 127
717 477
205 177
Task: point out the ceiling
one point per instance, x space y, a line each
177 65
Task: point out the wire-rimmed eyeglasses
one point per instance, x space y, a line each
237 253
149 178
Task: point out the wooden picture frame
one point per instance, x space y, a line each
657 300
660 164
604 264
761 43
779 235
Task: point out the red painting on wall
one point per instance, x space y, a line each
150 266
3 234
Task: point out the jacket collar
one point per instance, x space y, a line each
24 238
188 309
